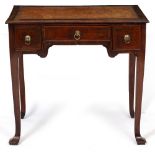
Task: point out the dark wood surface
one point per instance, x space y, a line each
121 29
33 31
135 34
92 14
66 33
132 62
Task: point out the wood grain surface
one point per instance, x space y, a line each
129 13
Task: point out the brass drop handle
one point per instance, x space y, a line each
127 39
77 35
27 40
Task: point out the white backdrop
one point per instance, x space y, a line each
77 97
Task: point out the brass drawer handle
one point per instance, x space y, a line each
77 35
27 40
127 39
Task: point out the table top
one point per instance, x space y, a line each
77 14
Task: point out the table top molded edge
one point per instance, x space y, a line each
142 18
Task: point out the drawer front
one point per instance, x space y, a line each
27 38
127 37
76 33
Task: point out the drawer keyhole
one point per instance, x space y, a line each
27 40
77 35
127 39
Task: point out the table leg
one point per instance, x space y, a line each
22 86
14 59
131 83
139 88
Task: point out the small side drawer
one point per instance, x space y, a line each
127 37
27 38
78 34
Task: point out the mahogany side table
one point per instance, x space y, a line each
121 29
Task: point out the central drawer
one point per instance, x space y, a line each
76 33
